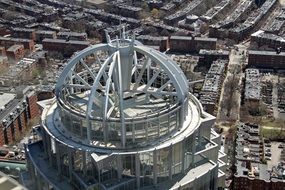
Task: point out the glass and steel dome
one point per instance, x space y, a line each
123 119
119 88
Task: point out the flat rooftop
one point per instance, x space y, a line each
271 53
7 183
181 38
15 47
6 98
192 175
96 2
48 40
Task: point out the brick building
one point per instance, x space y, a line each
23 33
124 9
3 30
261 38
211 89
8 42
252 91
251 183
162 41
66 47
15 52
3 61
72 36
187 44
42 34
208 56
45 92
2 51
15 113
251 171
266 59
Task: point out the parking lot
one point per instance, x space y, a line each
274 153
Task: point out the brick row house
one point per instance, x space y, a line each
15 115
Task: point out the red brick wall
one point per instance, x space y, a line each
267 61
24 124
33 106
31 45
4 31
16 126
24 34
16 129
63 47
2 141
2 51
33 35
16 55
9 134
244 183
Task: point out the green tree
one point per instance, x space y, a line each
155 13
164 32
145 7
35 73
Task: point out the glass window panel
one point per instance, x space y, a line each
146 168
129 168
177 158
163 164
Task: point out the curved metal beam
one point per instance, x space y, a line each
92 93
170 68
75 60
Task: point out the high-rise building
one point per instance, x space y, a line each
123 119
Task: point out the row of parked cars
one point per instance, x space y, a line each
267 148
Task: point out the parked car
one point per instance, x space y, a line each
268 154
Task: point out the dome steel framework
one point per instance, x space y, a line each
123 119
122 89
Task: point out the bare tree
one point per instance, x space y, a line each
10 15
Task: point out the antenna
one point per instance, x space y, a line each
107 36
133 38
120 27
124 33
117 41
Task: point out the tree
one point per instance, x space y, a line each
155 13
145 7
9 15
11 8
204 28
77 26
144 12
83 3
55 55
35 73
164 32
93 33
